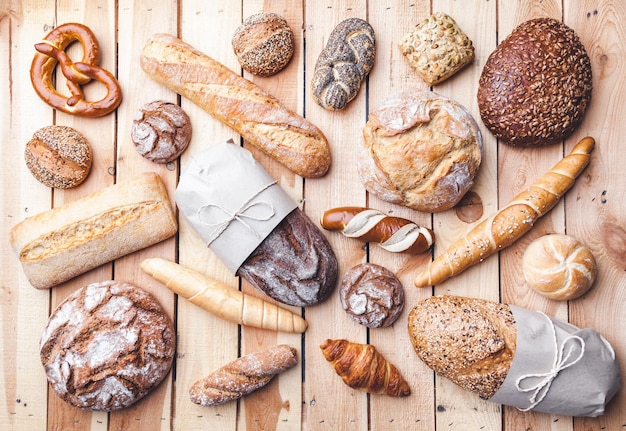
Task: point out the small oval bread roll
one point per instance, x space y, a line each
559 267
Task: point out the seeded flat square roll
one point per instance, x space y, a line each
61 243
437 48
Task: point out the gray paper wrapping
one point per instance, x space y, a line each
231 202
574 374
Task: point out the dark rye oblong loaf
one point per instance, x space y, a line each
467 340
536 85
294 264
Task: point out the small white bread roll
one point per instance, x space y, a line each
559 267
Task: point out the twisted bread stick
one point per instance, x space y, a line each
242 376
393 233
511 222
221 300
362 367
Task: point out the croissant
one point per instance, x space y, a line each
394 234
242 376
221 300
510 223
362 367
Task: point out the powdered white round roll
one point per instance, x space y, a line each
559 267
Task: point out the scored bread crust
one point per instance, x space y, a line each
420 150
61 243
238 103
467 340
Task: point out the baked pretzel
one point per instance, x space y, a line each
392 233
51 51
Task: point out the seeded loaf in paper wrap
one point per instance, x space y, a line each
516 357
59 244
254 227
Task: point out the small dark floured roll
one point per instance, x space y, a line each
295 264
107 345
372 295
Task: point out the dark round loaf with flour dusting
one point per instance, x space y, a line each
106 346
344 62
536 85
295 264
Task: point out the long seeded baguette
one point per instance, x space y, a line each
59 244
221 300
510 223
240 104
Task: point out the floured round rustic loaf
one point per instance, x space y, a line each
107 345
536 85
420 150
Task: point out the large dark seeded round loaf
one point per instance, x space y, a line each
295 264
536 85
106 346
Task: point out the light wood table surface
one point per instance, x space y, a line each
310 396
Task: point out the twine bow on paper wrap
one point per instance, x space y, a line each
246 211
540 389
559 368
230 201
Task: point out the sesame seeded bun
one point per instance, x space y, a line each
58 156
263 44
536 85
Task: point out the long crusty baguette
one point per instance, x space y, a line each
511 222
221 300
59 244
240 104
362 367
470 341
242 376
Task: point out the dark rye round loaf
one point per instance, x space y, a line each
106 346
536 85
295 264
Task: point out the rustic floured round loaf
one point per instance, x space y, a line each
536 85
372 295
263 43
106 346
420 150
559 267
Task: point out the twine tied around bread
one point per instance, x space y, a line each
561 362
242 213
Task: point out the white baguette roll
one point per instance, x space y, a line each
59 244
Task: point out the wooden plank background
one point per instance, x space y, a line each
310 396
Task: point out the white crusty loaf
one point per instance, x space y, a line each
59 244
559 267
240 104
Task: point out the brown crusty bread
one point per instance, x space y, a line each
467 340
240 104
59 244
242 376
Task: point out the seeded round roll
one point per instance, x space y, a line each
536 85
263 43
58 156
107 345
161 131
